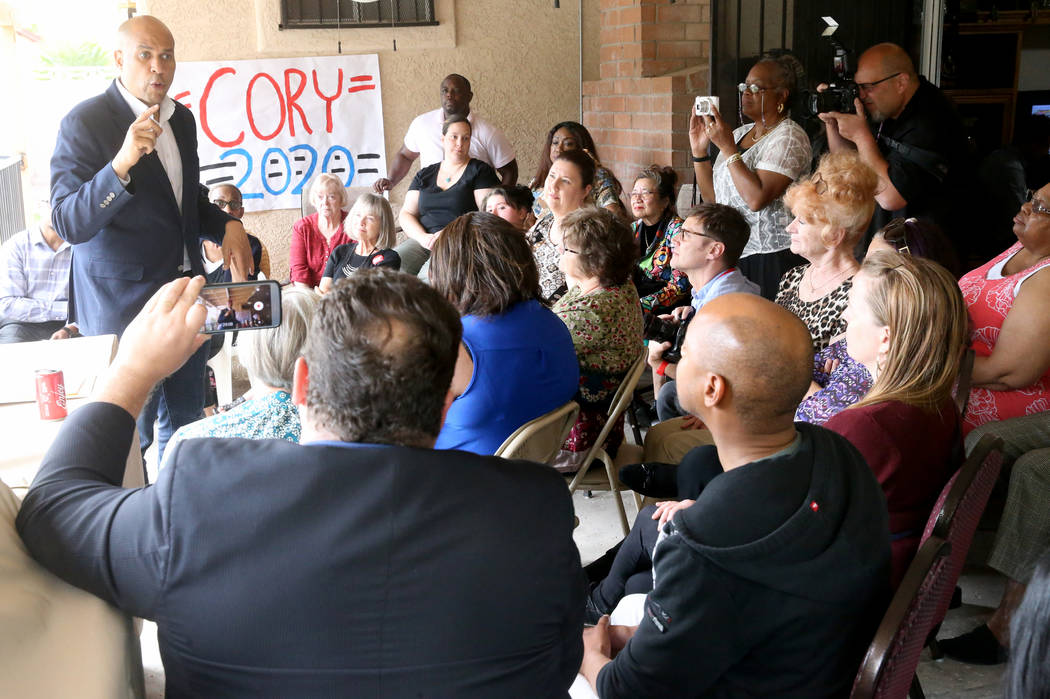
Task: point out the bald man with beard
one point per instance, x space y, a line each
773 581
906 130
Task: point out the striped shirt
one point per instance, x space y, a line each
34 279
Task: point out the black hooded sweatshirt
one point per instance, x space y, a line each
771 585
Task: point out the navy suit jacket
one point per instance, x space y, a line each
275 569
126 242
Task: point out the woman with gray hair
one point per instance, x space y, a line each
314 237
269 356
373 237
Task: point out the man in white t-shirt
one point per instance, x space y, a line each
423 140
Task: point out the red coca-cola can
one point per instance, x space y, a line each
51 394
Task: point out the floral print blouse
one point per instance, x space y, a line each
656 265
845 385
606 329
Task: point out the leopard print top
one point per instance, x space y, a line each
823 317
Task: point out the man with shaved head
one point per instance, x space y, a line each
126 194
907 130
772 582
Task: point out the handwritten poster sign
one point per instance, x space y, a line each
270 126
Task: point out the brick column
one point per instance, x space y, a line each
654 59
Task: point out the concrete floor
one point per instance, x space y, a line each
600 529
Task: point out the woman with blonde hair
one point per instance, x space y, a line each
907 324
832 210
372 238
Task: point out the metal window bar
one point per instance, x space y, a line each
323 14
12 211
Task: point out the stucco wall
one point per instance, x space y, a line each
521 56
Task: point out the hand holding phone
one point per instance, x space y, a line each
241 306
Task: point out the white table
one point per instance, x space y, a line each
24 437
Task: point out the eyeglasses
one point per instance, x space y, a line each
866 87
223 204
698 234
561 246
643 194
1038 207
752 88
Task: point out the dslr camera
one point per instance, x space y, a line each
836 98
840 93
670 330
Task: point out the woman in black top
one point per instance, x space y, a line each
442 192
370 225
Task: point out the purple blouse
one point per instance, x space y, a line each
843 387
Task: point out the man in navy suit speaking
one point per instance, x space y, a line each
126 194
359 563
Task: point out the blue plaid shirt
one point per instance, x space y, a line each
34 279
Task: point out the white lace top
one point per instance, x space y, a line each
785 151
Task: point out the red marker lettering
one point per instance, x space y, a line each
292 97
251 115
328 99
204 111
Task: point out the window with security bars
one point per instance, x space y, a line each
328 14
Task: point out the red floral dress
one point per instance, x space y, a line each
988 302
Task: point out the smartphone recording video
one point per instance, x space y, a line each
241 306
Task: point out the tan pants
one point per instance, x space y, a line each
667 442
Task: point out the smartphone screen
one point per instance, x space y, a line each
241 306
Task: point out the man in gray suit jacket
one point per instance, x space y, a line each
359 563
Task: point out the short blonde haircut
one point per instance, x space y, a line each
369 204
840 195
322 181
920 302
269 355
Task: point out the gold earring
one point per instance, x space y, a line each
780 108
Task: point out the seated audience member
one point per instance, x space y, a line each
228 198
269 357
918 238
1007 300
441 192
906 323
773 581
572 136
283 563
372 228
1027 676
569 185
838 380
512 204
34 283
706 251
832 210
657 224
314 237
1023 533
601 311
755 164
516 360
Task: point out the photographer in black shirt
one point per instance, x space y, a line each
906 129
